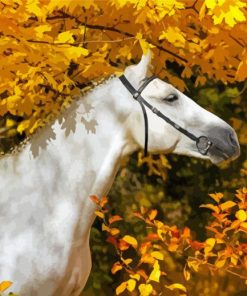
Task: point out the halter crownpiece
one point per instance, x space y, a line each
203 144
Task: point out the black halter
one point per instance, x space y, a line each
202 143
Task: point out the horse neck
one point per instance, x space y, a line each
86 148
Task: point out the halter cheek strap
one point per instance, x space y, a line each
203 144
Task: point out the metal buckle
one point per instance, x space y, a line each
136 95
203 144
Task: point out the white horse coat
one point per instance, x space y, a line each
45 212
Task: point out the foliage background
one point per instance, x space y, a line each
51 49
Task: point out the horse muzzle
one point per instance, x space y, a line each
225 145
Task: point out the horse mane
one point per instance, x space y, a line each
16 149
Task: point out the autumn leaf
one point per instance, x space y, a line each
114 219
241 215
227 205
211 207
210 243
121 288
130 240
116 267
5 285
145 289
177 286
95 199
99 214
157 255
155 274
152 214
131 284
216 196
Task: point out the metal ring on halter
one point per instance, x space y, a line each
203 144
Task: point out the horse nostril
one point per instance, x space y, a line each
232 139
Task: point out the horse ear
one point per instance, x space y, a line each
137 73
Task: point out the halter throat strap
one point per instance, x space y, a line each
137 96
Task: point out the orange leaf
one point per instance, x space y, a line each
243 226
5 285
116 267
145 247
152 214
227 205
103 201
114 219
211 207
143 274
94 198
216 196
197 245
121 288
122 245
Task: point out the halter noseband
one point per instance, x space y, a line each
202 143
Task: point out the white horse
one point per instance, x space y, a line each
45 210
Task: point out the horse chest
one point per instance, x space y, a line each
37 243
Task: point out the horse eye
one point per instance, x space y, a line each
171 98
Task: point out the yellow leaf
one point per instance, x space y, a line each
74 52
105 228
177 286
241 215
145 289
65 37
194 264
131 285
234 259
155 274
186 274
157 255
126 261
220 263
121 288
174 35
41 29
34 7
135 276
130 240
99 214
227 205
5 285
210 242
210 3
23 125
114 231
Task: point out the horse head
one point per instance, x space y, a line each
188 125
